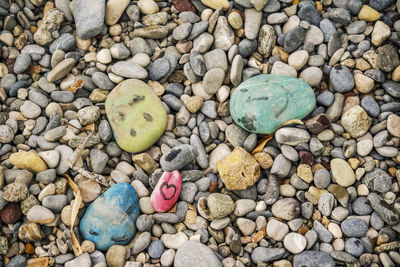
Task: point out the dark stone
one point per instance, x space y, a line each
309 13
294 39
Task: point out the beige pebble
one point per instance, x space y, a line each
40 214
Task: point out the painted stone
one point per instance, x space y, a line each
166 192
262 103
136 115
111 218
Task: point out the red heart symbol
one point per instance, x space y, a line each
167 191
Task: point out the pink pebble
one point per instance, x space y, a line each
166 192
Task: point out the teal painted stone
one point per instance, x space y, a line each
262 103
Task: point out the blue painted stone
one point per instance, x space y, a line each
111 218
263 102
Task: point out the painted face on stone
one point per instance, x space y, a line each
111 218
261 103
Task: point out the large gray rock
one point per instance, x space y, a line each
89 17
311 258
193 253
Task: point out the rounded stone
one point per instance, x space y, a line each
356 121
136 115
341 79
295 243
192 253
111 218
342 172
262 103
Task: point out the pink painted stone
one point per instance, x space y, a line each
166 192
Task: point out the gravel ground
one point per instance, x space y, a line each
148 85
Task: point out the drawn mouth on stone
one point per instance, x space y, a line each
121 238
168 188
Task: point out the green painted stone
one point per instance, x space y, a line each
136 115
262 103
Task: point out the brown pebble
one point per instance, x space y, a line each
11 213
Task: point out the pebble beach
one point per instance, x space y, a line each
199 133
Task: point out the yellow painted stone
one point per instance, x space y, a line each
367 13
30 161
215 4
238 170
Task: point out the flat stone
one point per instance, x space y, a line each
192 253
262 254
311 258
295 243
89 17
136 126
286 208
343 174
262 103
166 192
128 69
30 161
277 230
60 70
387 212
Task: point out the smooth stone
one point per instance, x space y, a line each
89 17
82 261
286 208
28 160
111 218
342 172
387 212
277 230
292 136
224 36
295 243
40 214
220 205
166 192
311 258
193 253
114 10
263 102
128 69
60 70
177 158
341 79
252 23
354 227
262 254
135 126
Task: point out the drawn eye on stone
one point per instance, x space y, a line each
262 98
243 90
121 116
137 98
147 116
93 233
131 208
121 238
